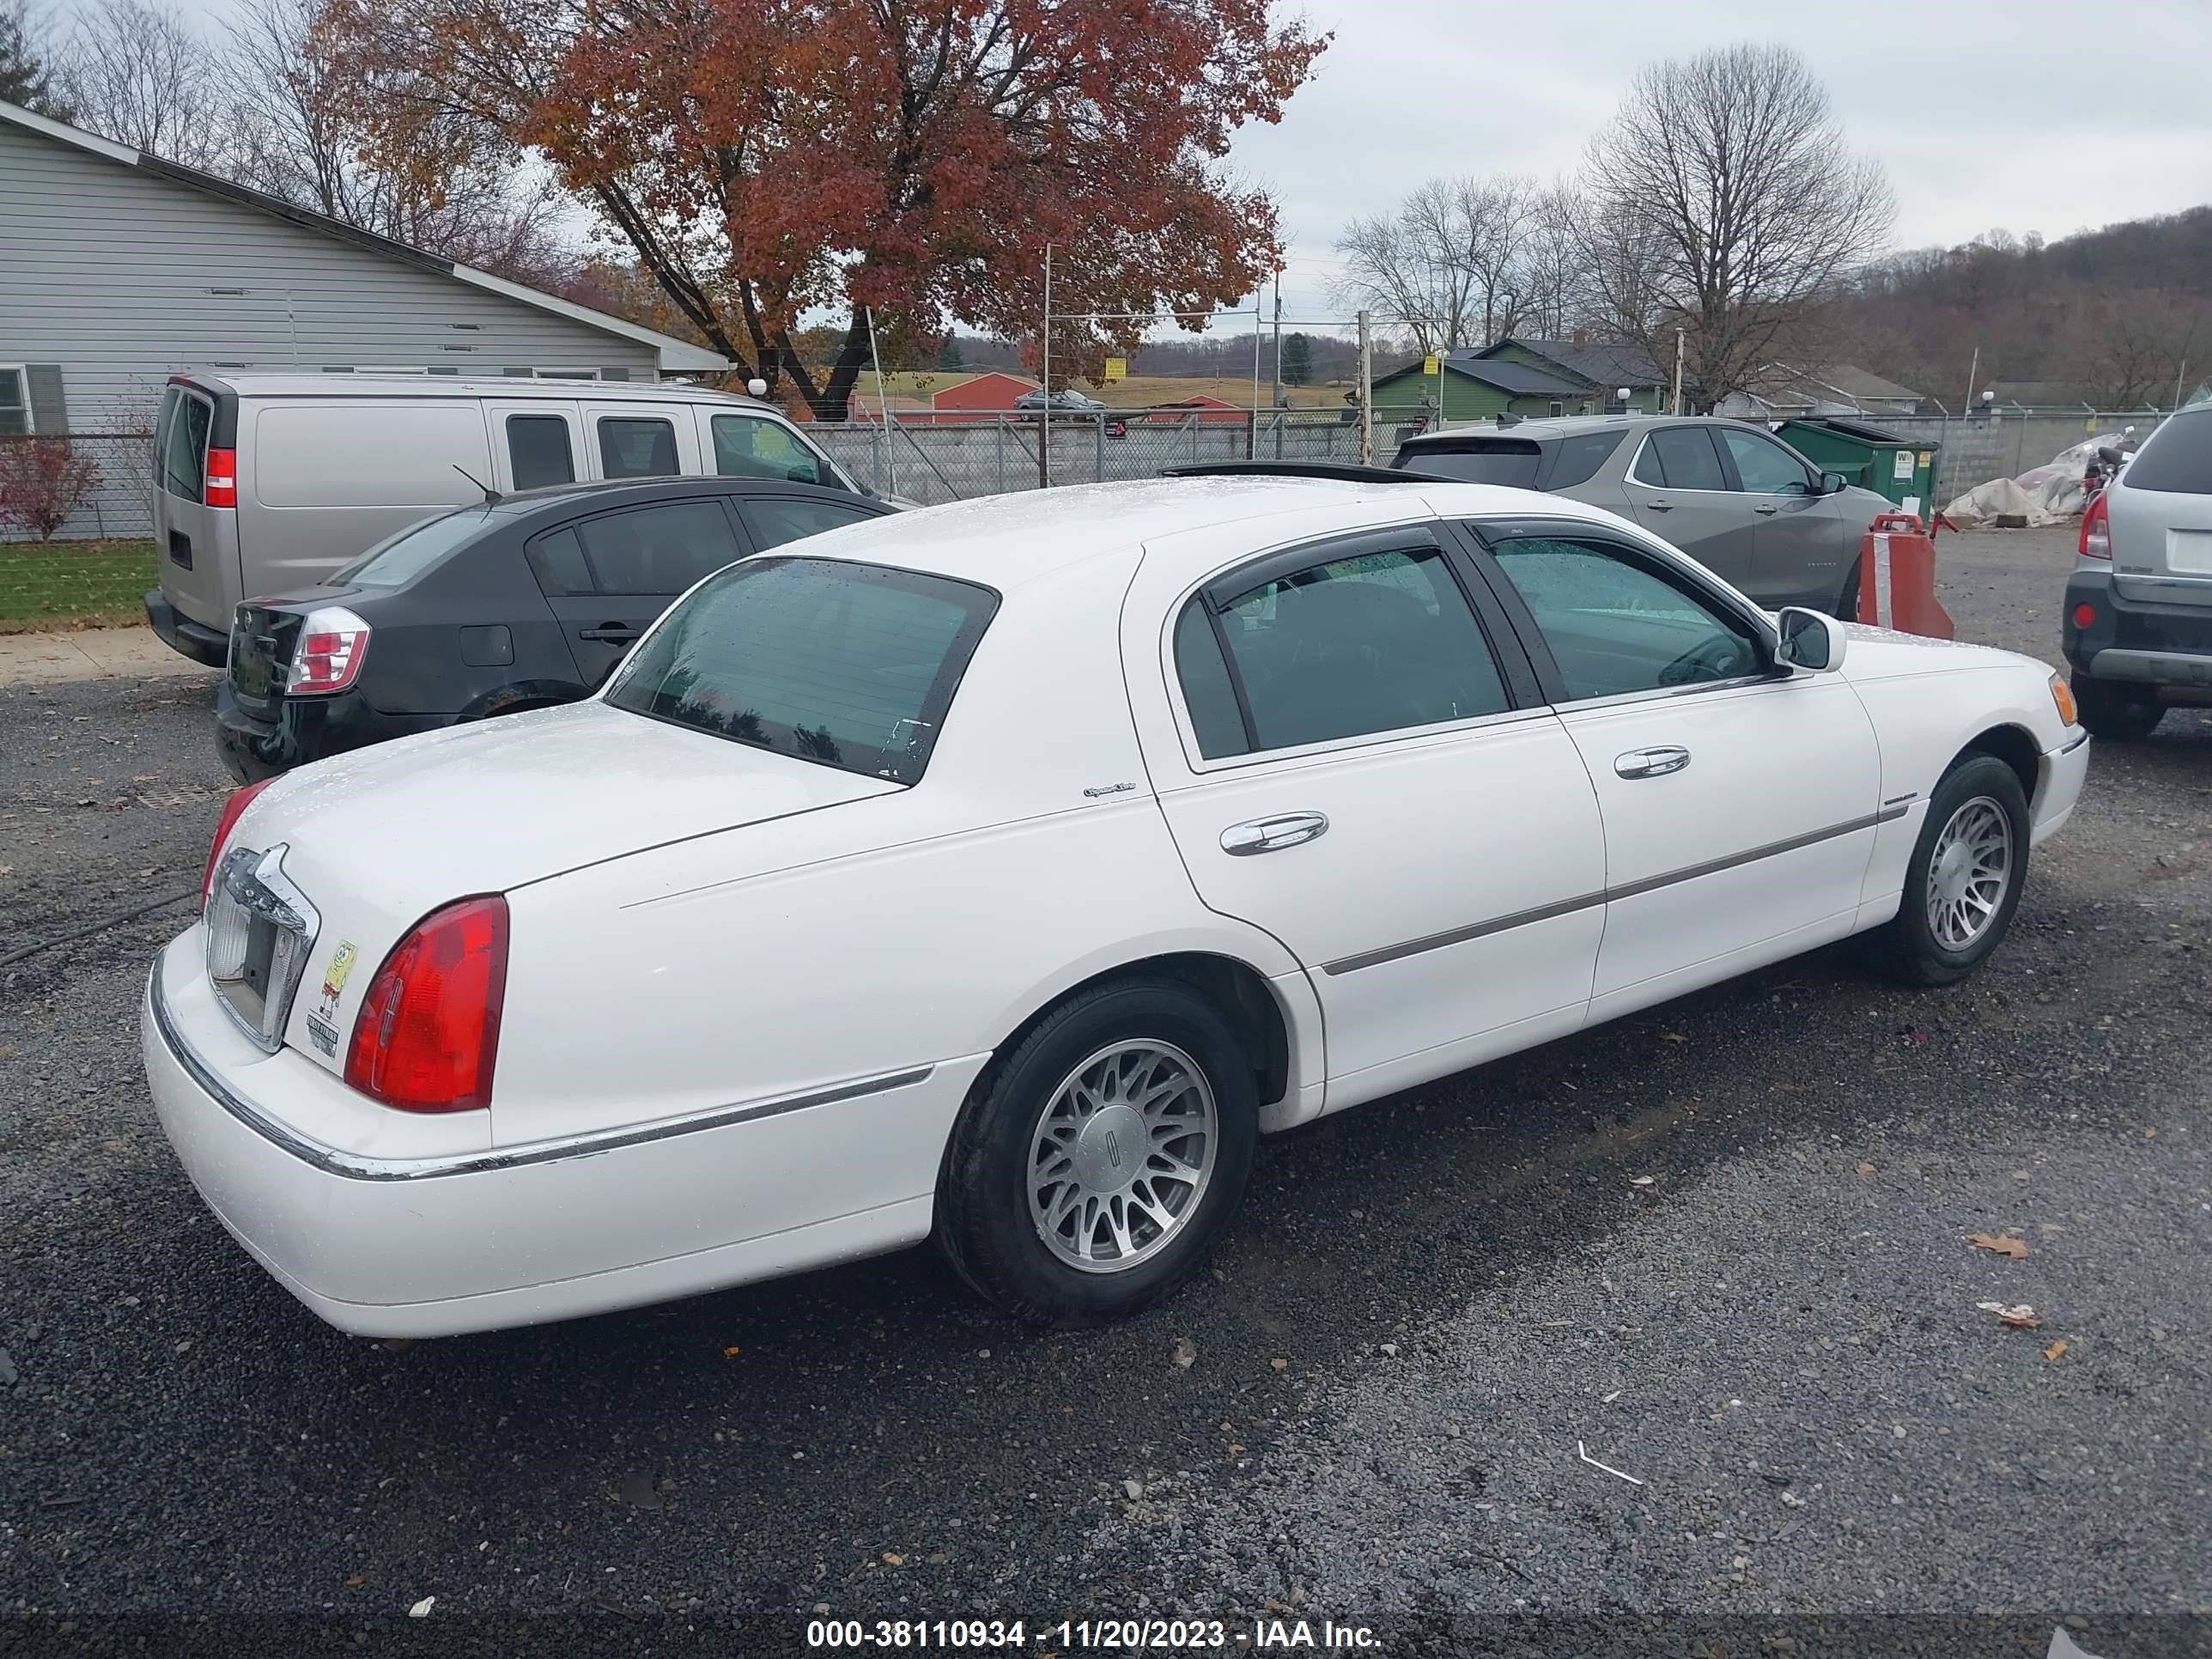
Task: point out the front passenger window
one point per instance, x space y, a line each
1765 468
1615 627
1371 642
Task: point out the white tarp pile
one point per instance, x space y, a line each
2041 495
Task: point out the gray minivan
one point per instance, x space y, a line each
267 483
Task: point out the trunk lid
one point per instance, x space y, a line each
377 839
263 635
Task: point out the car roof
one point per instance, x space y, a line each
610 492
453 385
1007 541
1566 425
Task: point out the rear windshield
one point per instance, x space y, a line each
1476 460
2178 457
850 666
398 560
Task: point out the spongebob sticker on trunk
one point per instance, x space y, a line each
323 1023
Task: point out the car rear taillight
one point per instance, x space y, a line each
429 1027
332 642
222 477
2096 531
233 809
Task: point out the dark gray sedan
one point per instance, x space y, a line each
1727 493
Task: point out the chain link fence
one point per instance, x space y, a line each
953 457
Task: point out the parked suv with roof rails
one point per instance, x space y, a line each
1729 493
2138 617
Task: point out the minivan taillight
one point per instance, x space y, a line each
428 1028
222 477
2096 531
332 642
233 809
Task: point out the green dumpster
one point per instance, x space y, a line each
1883 462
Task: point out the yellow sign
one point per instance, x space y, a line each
1430 365
1117 368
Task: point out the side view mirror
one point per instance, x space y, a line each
1834 484
1809 642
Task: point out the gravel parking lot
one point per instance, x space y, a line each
1721 1247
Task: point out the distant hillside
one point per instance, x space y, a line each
2110 316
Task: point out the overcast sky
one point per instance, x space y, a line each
2048 115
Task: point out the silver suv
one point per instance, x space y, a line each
1736 499
2138 620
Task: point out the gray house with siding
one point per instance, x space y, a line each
121 268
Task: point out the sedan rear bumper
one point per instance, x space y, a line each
305 729
485 1239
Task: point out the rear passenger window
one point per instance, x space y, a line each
1207 691
557 562
1370 642
1579 458
537 451
1682 458
772 521
637 448
657 549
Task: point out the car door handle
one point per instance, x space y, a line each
611 633
1651 763
1766 509
1272 834
1660 507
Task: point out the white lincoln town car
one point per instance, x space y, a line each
997 873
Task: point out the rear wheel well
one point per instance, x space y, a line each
1236 990
2017 749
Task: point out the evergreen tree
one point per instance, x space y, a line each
1297 360
948 354
23 78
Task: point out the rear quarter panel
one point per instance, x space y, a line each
912 929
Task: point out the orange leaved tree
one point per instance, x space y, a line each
774 161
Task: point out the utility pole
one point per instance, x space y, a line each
1275 405
1366 390
1972 369
1044 426
884 402
1678 371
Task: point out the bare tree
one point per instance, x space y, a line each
141 76
1400 267
300 137
1724 200
1470 260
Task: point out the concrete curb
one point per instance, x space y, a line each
91 653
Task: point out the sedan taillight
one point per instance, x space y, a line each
233 809
428 1028
332 642
2096 531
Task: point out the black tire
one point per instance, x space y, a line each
2114 713
984 1221
1908 948
1847 602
